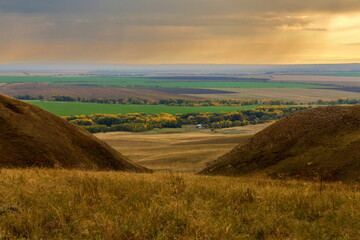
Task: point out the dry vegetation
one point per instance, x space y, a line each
60 204
182 152
315 143
33 137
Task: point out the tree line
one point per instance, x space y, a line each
167 102
139 122
185 102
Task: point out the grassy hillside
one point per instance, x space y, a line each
315 143
32 137
59 204
73 108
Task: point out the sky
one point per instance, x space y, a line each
180 31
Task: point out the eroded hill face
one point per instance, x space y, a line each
32 137
316 143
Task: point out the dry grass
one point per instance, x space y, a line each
180 152
59 204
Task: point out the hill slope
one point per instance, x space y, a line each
32 137
315 143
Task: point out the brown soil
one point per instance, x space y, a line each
321 143
35 89
32 137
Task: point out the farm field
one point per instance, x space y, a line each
36 89
73 108
298 88
318 79
354 74
304 95
203 84
65 204
147 82
186 149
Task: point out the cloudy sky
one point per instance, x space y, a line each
179 31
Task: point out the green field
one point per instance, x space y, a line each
70 108
144 82
202 84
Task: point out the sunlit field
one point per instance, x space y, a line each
73 108
60 204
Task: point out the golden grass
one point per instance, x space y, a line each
61 204
180 152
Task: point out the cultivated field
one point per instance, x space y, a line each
36 89
342 74
318 79
147 82
304 95
182 150
181 84
76 108
59 204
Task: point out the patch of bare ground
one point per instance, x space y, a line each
35 89
179 152
332 80
295 94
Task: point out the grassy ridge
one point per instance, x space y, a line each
71 108
58 204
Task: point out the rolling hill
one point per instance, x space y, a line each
316 143
32 137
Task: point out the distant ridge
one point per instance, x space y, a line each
32 137
320 143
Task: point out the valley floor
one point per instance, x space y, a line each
62 204
179 150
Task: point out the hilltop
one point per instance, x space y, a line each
316 143
32 137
